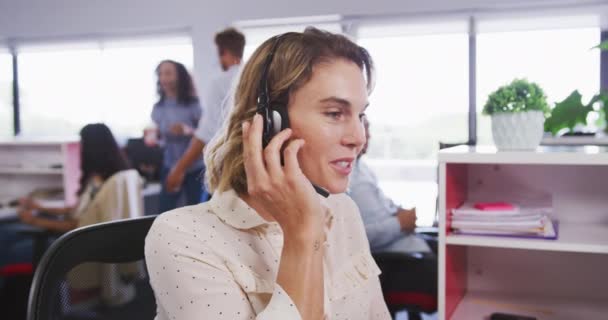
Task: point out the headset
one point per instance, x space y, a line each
274 114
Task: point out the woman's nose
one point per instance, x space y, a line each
355 135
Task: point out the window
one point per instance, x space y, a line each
6 94
420 98
559 60
64 87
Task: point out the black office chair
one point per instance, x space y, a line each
16 278
41 240
409 280
117 243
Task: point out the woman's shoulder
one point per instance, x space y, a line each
343 204
157 111
158 104
181 227
183 232
346 218
184 218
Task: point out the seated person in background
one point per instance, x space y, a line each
388 226
100 158
109 191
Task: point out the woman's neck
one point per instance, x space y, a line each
171 94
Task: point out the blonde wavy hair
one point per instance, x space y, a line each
292 66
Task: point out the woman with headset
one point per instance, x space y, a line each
279 239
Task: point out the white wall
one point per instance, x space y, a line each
41 19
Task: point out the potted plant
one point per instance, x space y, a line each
518 113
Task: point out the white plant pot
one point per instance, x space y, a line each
518 131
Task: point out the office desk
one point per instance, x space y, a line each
8 215
150 193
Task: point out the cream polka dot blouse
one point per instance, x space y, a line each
219 260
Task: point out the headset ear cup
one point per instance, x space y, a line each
277 122
282 111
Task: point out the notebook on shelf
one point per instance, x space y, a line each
504 219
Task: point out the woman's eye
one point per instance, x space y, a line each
334 115
362 116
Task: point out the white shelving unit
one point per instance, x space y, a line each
572 238
548 279
29 165
540 307
547 155
598 139
30 171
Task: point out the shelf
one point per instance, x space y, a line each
32 171
552 155
38 141
576 141
480 306
586 238
7 214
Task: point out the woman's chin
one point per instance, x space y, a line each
336 187
333 184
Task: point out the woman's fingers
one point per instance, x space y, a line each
252 153
272 154
285 192
273 171
292 166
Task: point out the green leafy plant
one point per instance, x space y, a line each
602 46
518 96
572 111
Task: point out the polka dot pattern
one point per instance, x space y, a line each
219 260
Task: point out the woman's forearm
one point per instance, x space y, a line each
55 225
301 276
58 211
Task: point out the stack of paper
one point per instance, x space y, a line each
519 221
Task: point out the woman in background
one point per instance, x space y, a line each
100 158
176 115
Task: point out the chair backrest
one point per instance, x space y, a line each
112 243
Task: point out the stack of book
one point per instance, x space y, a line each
503 219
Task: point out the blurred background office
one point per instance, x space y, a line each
437 62
67 63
